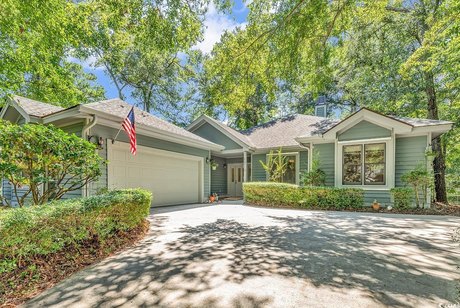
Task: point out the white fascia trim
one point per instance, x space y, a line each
315 140
432 129
74 112
425 130
370 140
115 122
2 114
283 149
372 117
235 151
198 123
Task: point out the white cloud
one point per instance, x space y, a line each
215 25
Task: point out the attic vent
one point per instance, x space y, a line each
320 111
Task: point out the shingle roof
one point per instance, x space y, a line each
120 108
35 108
420 122
283 131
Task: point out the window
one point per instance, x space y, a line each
364 164
290 174
374 164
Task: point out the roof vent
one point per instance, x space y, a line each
321 107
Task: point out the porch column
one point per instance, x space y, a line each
245 166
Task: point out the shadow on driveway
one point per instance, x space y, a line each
401 262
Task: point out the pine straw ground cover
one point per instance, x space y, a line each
450 210
41 246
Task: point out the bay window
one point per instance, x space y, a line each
364 164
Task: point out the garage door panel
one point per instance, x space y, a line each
172 179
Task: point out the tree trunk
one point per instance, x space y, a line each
439 165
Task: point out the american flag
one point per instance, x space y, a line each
130 129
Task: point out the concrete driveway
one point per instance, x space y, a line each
237 256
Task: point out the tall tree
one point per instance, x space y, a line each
382 54
143 46
36 43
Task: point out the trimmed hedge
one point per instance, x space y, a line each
26 233
402 197
280 194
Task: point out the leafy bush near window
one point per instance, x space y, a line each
280 194
421 181
314 177
30 232
275 166
402 197
44 162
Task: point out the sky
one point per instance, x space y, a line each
215 25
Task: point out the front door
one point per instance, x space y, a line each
235 178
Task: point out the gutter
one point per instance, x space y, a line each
84 133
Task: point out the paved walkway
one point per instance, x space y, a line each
231 255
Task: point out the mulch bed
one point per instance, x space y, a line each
436 209
44 272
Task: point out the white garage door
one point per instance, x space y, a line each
173 178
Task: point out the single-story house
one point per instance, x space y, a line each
367 149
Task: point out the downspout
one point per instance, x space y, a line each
84 135
88 126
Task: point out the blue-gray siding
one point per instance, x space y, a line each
258 172
410 152
219 177
209 132
325 153
6 190
382 196
303 156
364 130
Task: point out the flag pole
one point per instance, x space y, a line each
113 140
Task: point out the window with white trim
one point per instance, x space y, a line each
290 174
364 164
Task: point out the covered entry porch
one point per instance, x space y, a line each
229 173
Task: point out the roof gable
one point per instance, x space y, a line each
32 107
370 116
238 137
211 133
364 130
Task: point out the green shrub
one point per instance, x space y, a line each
45 162
280 194
402 196
33 231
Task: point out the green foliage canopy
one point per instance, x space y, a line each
36 43
45 162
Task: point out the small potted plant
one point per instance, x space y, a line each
214 165
376 205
